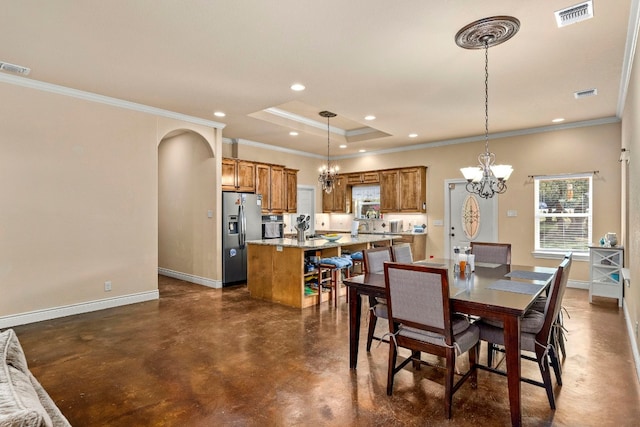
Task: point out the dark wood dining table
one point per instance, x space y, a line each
473 294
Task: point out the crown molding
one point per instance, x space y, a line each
629 52
101 99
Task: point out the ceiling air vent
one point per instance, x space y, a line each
16 69
585 93
573 14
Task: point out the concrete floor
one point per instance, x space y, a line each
211 357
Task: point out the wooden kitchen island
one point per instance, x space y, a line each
275 267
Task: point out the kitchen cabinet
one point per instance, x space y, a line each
238 175
412 189
291 176
270 182
606 272
358 178
389 198
403 190
336 201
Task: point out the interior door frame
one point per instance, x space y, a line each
312 214
447 215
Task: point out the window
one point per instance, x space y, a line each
563 218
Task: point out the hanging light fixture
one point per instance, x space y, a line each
328 173
487 179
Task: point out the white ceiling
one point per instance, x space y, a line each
395 60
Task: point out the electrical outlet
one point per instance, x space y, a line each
107 286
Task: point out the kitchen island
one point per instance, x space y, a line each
276 267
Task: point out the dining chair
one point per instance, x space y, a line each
402 253
495 253
373 262
558 325
536 333
421 320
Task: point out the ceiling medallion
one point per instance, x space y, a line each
490 31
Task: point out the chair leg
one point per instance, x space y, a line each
474 354
490 351
393 352
543 364
373 319
448 382
555 363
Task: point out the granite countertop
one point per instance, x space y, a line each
320 243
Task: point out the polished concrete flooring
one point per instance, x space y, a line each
211 357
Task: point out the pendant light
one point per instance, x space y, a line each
328 173
487 179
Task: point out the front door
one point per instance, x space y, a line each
470 218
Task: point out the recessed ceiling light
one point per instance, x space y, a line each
293 133
413 135
369 117
558 120
219 114
297 87
362 151
343 145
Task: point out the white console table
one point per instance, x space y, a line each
606 272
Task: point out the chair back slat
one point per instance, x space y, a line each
374 259
496 253
418 296
402 253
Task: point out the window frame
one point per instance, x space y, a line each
540 252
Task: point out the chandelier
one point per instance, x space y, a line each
487 179
328 173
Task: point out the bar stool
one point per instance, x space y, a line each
335 266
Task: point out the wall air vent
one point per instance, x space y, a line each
577 13
16 69
585 93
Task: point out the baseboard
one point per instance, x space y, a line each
70 310
217 284
634 340
578 284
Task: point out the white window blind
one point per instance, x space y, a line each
563 209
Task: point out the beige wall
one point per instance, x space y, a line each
79 182
631 141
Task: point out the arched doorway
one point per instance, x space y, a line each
186 207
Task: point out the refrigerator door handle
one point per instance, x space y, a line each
242 222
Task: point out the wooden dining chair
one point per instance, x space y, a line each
536 333
402 253
373 262
495 253
421 320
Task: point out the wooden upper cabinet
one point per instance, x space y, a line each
291 176
389 200
412 189
263 185
336 201
238 175
278 190
270 182
246 172
358 178
403 190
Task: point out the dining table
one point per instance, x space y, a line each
498 291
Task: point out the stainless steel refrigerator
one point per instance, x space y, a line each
241 221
